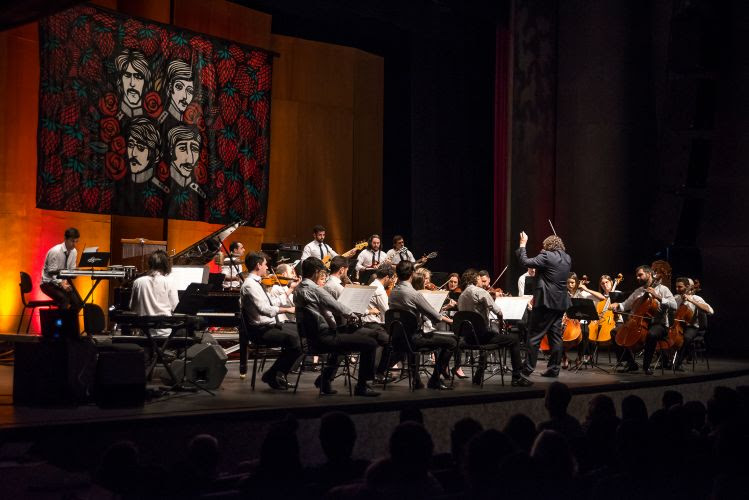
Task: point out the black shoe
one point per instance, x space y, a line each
382 379
521 382
271 378
283 382
365 390
438 385
550 373
317 381
326 388
527 371
630 367
647 371
458 375
478 378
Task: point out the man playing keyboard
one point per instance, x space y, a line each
59 257
154 294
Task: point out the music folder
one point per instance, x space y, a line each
582 309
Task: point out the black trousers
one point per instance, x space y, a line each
285 337
63 298
690 332
444 345
545 321
387 357
510 341
359 341
655 333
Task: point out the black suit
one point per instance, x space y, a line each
550 301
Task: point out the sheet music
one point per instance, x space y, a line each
435 298
513 308
357 297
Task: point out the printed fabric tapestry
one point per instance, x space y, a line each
142 119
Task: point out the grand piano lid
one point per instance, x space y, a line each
202 252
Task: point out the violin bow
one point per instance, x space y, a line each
500 275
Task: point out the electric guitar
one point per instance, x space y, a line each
350 253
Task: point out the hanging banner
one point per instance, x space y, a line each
139 118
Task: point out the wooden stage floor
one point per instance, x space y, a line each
236 398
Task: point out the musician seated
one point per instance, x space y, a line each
154 294
406 298
659 324
696 304
338 270
284 294
309 294
475 298
261 313
375 318
59 257
231 266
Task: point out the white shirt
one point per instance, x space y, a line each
280 296
367 256
231 271
55 261
695 318
154 295
257 303
379 301
396 256
521 284
334 286
312 249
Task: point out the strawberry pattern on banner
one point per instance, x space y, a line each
143 119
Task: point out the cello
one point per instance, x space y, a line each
600 331
633 333
571 329
683 316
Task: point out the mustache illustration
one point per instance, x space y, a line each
187 166
135 162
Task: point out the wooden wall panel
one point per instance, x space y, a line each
326 146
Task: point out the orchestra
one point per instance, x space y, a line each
268 299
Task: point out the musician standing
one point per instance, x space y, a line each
317 247
399 252
261 315
696 304
372 256
550 300
659 325
154 294
59 257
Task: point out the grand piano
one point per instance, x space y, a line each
219 308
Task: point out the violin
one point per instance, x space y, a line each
274 279
634 331
683 316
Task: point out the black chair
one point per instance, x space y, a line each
94 322
250 345
307 321
699 345
25 286
469 326
400 326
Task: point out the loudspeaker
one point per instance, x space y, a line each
120 376
206 366
57 372
59 324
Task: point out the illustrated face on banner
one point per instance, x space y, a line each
185 156
181 94
132 84
137 155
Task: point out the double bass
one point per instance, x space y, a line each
634 331
683 316
600 331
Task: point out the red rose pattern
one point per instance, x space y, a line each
83 132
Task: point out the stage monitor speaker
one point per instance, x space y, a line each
206 366
51 373
59 324
120 376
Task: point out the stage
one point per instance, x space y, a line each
239 416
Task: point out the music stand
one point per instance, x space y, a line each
584 310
